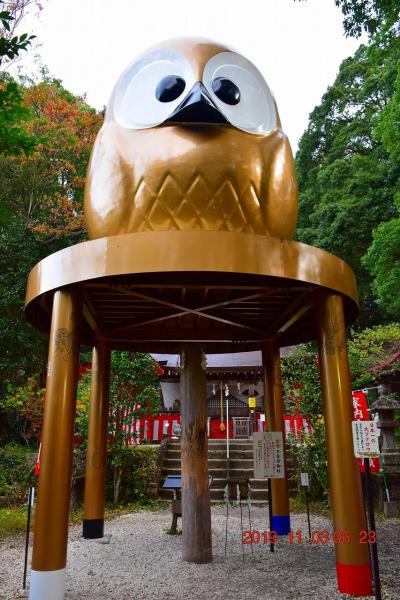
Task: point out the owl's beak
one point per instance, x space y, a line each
197 107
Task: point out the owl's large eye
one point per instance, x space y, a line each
240 92
152 88
226 90
170 88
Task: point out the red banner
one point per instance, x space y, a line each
152 429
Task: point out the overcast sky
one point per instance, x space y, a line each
298 46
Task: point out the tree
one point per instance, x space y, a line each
41 197
13 137
383 256
11 14
383 261
133 392
45 189
300 371
14 116
301 384
370 16
22 350
22 408
347 177
374 353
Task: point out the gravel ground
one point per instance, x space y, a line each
142 562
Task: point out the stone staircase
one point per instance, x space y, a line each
240 466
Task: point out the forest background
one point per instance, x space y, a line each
348 168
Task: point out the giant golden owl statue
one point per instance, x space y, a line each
191 140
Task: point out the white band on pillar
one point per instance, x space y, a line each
47 585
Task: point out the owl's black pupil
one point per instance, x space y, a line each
226 90
170 88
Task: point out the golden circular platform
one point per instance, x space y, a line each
230 291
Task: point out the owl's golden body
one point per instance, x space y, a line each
190 177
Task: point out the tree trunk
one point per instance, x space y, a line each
118 471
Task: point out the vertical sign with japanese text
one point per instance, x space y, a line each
361 413
365 439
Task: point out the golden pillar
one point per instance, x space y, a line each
52 511
273 407
96 454
352 560
196 510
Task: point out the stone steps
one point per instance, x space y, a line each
219 472
240 467
217 453
217 494
214 463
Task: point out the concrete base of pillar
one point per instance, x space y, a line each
391 509
47 585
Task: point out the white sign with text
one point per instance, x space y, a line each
365 439
268 455
304 479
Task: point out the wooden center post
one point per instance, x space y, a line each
196 511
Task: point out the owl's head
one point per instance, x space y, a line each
193 82
191 140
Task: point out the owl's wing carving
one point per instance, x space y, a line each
279 210
109 185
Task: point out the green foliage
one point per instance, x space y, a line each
16 472
133 392
372 356
371 348
309 456
23 351
13 520
14 138
41 211
370 16
383 256
383 261
22 406
388 123
82 408
300 378
11 47
302 390
348 178
139 468
45 189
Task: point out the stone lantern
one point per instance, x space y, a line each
386 406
